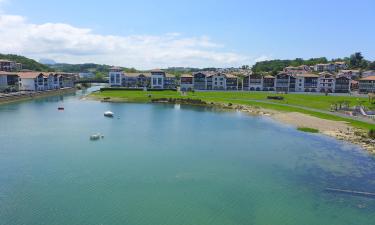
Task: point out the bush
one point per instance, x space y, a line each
371 133
308 129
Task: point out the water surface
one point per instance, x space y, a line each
165 164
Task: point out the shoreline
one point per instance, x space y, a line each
34 95
340 130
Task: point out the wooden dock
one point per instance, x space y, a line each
351 192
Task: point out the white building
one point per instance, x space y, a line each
255 82
157 79
31 81
350 74
326 82
330 67
115 77
307 82
219 81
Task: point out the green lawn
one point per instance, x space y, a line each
293 101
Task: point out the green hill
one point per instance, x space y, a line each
28 64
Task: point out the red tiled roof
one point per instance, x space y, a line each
369 78
29 75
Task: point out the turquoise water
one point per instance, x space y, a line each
166 164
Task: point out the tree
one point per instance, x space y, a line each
371 66
356 61
99 76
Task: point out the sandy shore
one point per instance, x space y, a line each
337 129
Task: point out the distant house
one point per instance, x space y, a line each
219 81
199 80
115 77
170 81
330 67
231 82
282 82
367 84
307 82
268 83
292 70
255 82
368 73
342 84
157 79
144 80
326 82
9 66
350 74
31 81
8 80
186 83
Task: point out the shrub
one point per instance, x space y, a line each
371 133
308 129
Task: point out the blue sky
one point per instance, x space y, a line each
148 34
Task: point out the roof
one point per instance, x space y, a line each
7 73
186 75
157 71
29 75
6 60
231 76
137 74
369 78
349 71
269 76
307 75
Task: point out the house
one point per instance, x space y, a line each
157 79
246 83
350 74
219 81
67 79
307 82
268 83
170 81
255 82
342 84
31 81
115 77
209 81
367 84
199 81
8 81
326 82
9 66
52 81
186 83
144 80
231 82
368 73
282 82
330 67
296 69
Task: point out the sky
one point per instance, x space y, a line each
148 34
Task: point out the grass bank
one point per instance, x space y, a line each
314 105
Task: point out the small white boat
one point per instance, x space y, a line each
108 114
95 137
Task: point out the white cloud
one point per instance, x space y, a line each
66 43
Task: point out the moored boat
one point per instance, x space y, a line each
108 114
